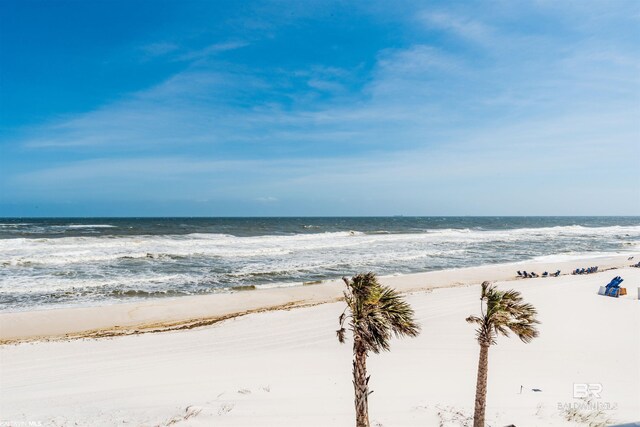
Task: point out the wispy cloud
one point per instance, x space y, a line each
461 26
513 116
158 49
212 50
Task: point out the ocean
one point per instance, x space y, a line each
63 262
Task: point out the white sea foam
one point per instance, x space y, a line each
26 285
72 226
571 256
278 285
70 250
90 267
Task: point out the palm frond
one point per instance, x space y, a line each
504 312
473 319
398 313
376 313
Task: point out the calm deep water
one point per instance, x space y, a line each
46 263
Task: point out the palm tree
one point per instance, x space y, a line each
502 311
376 312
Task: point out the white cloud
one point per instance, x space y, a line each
467 28
212 50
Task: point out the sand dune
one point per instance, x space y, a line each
286 367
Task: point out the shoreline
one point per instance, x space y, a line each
188 312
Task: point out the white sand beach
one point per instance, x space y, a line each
214 213
281 367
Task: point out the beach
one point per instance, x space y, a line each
279 213
270 357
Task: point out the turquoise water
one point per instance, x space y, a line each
79 261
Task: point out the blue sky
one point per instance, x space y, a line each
205 108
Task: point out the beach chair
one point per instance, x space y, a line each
613 292
545 274
519 273
557 273
613 288
615 281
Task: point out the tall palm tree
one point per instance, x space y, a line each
376 312
502 311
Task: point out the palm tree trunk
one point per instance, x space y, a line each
481 387
360 384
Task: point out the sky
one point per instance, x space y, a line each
319 108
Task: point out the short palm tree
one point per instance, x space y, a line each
502 311
375 313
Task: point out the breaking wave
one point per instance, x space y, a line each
80 269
